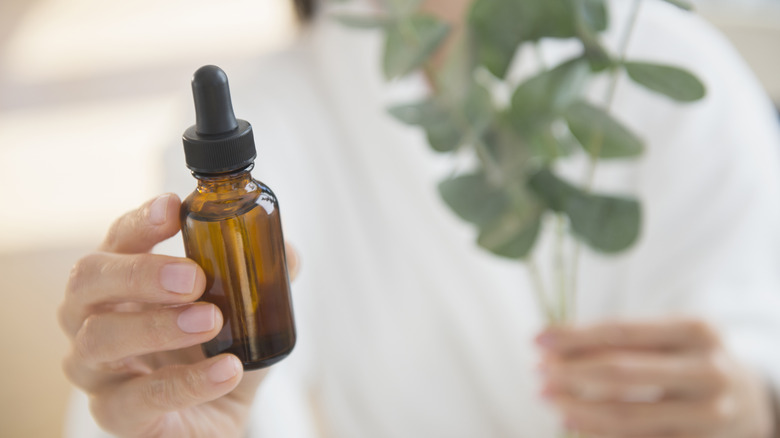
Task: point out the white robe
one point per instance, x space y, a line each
407 328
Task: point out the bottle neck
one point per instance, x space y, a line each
224 182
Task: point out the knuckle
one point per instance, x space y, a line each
157 330
159 393
191 384
134 273
101 408
69 368
113 234
175 390
85 344
97 407
63 318
78 274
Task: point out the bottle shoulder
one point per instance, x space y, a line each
224 204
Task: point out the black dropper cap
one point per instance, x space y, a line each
218 142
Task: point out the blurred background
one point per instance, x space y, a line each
91 93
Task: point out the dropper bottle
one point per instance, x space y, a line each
232 229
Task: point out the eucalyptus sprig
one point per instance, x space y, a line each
513 186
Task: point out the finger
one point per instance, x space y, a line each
246 391
110 337
105 278
132 407
90 380
293 261
139 230
665 418
664 334
627 375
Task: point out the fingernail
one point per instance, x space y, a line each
158 210
178 277
223 370
197 319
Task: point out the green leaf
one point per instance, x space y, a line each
592 18
497 28
500 26
513 236
543 97
364 21
673 82
455 77
403 7
505 145
474 198
606 223
443 133
593 14
600 134
514 232
419 113
410 42
597 56
508 220
541 100
683 4
476 110
547 147
448 124
553 191
444 136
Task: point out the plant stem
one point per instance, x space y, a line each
560 308
540 291
560 267
494 172
597 142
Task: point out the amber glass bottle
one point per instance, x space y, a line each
232 228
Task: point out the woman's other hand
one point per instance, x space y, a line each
135 332
669 378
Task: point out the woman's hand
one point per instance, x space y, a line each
135 332
669 378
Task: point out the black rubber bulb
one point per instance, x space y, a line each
213 106
217 142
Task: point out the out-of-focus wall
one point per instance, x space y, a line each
90 90
90 93
753 26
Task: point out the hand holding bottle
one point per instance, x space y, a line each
136 331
